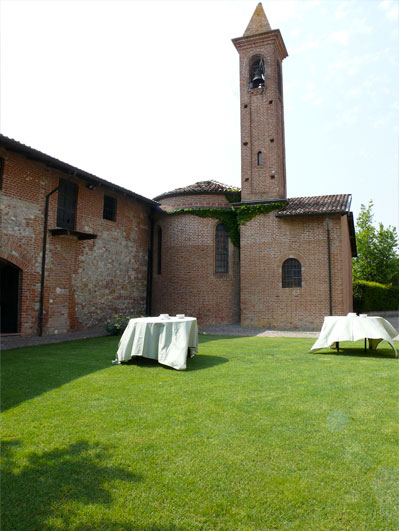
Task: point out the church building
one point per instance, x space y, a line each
77 249
290 264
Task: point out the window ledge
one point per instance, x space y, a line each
58 231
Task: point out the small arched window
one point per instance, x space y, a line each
221 249
259 158
159 251
292 273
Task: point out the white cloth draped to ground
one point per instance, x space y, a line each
353 328
168 340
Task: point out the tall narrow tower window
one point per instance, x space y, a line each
159 253
279 79
221 249
259 158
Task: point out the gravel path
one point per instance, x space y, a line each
15 341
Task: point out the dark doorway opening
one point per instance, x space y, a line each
10 281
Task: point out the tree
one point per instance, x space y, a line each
377 250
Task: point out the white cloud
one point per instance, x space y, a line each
342 10
340 36
391 8
310 44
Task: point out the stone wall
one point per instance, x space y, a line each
87 281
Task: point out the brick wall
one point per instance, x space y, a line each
194 200
86 281
188 283
262 120
266 242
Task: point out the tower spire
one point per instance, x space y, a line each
258 22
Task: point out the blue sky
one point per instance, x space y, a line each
145 94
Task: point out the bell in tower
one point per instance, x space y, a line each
257 74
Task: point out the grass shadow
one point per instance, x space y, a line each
197 363
27 372
55 478
360 353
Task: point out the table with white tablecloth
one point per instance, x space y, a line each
352 328
169 340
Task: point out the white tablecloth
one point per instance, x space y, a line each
166 340
353 328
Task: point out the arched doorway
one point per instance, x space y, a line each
10 283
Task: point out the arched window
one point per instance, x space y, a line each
257 72
259 158
292 273
159 251
221 249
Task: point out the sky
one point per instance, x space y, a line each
145 94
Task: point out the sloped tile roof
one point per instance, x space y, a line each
35 154
320 204
201 187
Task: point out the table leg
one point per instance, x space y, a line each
365 344
337 345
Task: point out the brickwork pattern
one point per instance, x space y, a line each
262 123
86 281
193 201
188 283
266 242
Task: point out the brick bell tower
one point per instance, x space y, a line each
262 51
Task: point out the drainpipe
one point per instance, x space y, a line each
44 260
329 265
148 306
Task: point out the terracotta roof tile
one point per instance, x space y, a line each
35 154
201 187
320 204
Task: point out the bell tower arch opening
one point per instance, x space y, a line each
10 289
257 72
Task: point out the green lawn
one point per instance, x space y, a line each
256 434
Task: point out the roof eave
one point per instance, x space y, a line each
34 154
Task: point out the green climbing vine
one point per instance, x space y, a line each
247 212
233 196
232 218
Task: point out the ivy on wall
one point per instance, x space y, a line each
233 218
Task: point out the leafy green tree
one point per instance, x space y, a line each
377 250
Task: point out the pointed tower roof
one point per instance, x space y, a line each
258 22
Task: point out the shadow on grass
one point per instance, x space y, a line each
198 363
28 372
360 353
205 338
44 485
